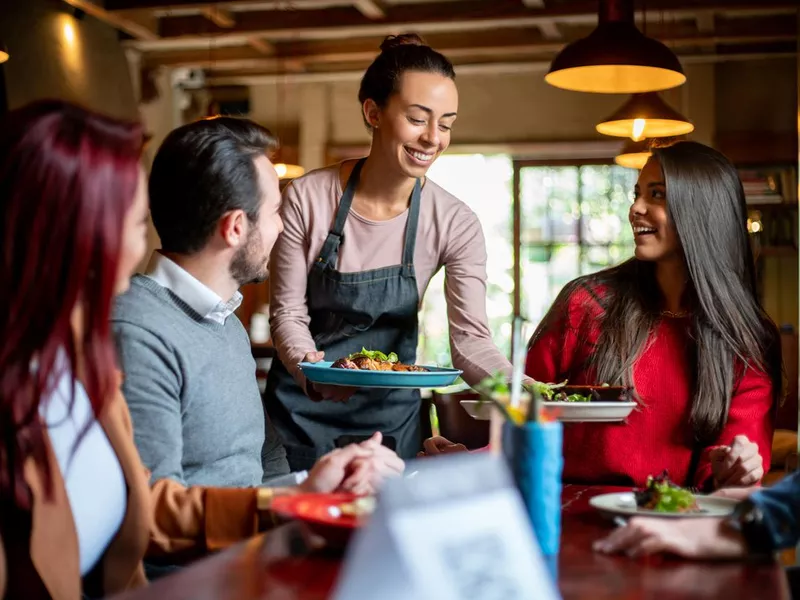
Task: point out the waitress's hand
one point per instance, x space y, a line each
319 392
438 445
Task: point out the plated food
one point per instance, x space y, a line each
662 495
663 498
560 401
375 360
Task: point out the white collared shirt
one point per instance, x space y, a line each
200 298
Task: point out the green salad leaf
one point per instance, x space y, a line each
576 398
672 498
375 355
498 385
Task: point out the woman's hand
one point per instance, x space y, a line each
439 445
690 538
318 392
737 465
365 475
357 468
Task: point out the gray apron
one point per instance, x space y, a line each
376 310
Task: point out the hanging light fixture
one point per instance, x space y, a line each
4 55
616 58
284 170
645 116
634 155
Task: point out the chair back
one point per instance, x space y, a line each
456 425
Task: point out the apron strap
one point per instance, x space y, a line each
330 249
411 226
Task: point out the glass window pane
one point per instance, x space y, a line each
484 184
549 204
606 199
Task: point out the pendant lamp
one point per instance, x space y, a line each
634 155
645 116
616 58
4 55
284 170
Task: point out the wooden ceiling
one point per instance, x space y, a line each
246 41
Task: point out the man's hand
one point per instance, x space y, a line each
690 538
356 468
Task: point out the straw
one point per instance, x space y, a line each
517 364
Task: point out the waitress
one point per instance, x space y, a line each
362 240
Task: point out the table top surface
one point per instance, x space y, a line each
281 565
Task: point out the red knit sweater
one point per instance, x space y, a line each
657 435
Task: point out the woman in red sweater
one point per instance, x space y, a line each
681 323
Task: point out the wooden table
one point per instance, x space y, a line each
281 567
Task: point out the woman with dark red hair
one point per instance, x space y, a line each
74 498
77 511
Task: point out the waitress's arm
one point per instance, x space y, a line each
288 281
471 345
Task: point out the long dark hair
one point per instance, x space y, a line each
67 179
729 327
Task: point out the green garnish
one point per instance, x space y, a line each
498 385
662 495
375 355
576 398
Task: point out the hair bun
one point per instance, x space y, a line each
390 42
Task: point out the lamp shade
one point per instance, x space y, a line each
616 58
4 55
645 116
634 155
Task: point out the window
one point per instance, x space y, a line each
573 221
484 184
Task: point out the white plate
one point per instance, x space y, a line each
624 503
568 412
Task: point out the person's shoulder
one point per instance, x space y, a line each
447 208
137 302
445 200
585 298
323 178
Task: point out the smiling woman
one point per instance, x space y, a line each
373 232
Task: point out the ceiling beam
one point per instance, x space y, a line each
705 22
465 15
510 68
219 16
372 9
550 30
261 46
500 44
195 6
129 26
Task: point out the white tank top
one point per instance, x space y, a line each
92 474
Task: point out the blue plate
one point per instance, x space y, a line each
322 372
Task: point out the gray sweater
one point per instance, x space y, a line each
190 384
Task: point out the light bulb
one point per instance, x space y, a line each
638 129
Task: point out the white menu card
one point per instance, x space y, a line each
456 530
